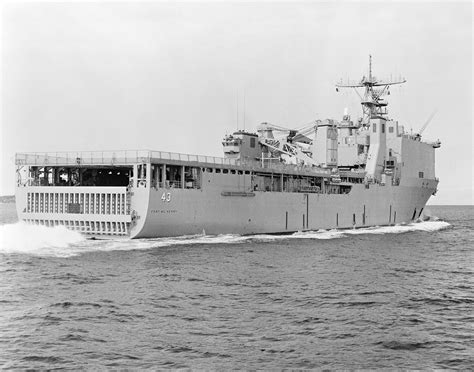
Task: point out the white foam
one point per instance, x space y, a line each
21 238
39 240
320 234
397 229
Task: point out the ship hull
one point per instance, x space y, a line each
175 212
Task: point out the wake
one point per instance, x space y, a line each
22 238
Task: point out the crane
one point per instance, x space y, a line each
284 145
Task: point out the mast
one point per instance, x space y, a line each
373 105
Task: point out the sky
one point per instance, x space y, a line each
84 76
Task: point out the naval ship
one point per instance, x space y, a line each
327 175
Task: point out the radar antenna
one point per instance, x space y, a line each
373 105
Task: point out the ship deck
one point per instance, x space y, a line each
131 157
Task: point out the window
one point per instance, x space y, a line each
232 171
421 175
240 172
252 142
374 127
247 172
225 171
390 129
209 170
218 170
383 128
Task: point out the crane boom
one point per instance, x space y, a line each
427 122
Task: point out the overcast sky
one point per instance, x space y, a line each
166 76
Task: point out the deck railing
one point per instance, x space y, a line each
130 157
113 158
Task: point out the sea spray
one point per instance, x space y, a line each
23 238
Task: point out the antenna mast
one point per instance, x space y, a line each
373 105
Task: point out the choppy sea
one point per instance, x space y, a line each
384 297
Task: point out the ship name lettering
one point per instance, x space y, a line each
163 211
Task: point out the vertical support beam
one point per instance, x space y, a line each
37 177
163 175
147 175
135 175
307 211
182 176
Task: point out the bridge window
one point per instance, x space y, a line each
390 129
383 128
252 142
374 127
421 175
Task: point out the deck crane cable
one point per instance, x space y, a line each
427 121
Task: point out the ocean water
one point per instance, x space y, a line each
387 297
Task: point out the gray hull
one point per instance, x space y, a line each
191 212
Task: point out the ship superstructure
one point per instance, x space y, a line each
328 174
